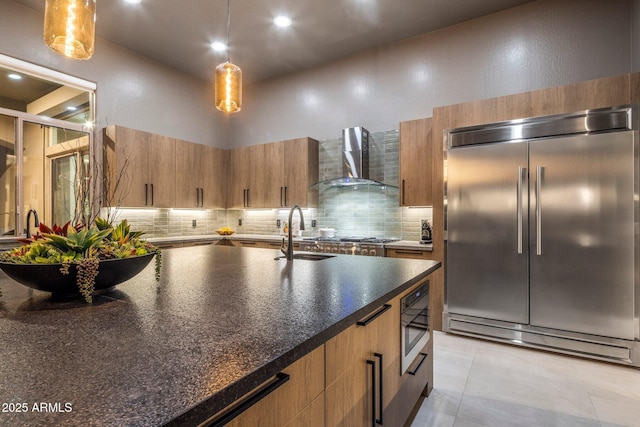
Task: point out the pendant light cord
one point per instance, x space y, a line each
228 25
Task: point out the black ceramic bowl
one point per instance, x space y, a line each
48 278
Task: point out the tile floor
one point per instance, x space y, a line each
480 383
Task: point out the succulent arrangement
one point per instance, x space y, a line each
83 246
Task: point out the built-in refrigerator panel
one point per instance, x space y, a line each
582 234
487 248
570 184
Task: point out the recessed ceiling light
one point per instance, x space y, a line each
282 21
133 1
14 76
71 108
218 46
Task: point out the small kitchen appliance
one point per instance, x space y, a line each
426 237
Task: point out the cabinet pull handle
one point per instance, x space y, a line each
373 391
539 172
244 197
197 197
519 213
281 198
415 371
146 194
286 202
152 195
400 252
202 197
249 401
380 387
403 192
374 316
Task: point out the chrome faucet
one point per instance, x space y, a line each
289 251
36 222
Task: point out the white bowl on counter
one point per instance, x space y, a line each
326 232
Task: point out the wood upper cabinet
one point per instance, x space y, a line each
200 176
275 175
416 163
291 167
140 168
301 170
272 174
246 189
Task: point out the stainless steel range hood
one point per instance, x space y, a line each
355 162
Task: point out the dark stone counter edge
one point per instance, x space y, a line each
225 397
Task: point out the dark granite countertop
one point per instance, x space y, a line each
221 321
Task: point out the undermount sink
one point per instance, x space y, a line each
312 257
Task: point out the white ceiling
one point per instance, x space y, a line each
179 32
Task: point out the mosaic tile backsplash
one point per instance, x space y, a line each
363 211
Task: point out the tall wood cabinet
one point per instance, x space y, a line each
141 168
200 176
416 163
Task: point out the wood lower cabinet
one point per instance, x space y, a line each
416 163
140 169
409 253
363 371
298 402
364 360
249 243
339 384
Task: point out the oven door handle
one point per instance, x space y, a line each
415 371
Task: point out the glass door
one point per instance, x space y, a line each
8 173
68 186
55 165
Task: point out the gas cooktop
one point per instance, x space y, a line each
353 239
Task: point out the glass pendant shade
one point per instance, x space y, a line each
228 88
69 27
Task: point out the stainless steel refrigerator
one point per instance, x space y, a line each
542 233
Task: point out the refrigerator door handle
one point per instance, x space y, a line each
539 172
521 171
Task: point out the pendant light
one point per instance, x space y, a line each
69 27
228 80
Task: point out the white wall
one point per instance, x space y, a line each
541 44
133 91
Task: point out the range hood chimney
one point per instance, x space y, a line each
355 162
355 153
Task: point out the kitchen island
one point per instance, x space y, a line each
221 321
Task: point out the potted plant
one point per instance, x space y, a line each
81 259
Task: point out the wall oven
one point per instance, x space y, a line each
414 319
